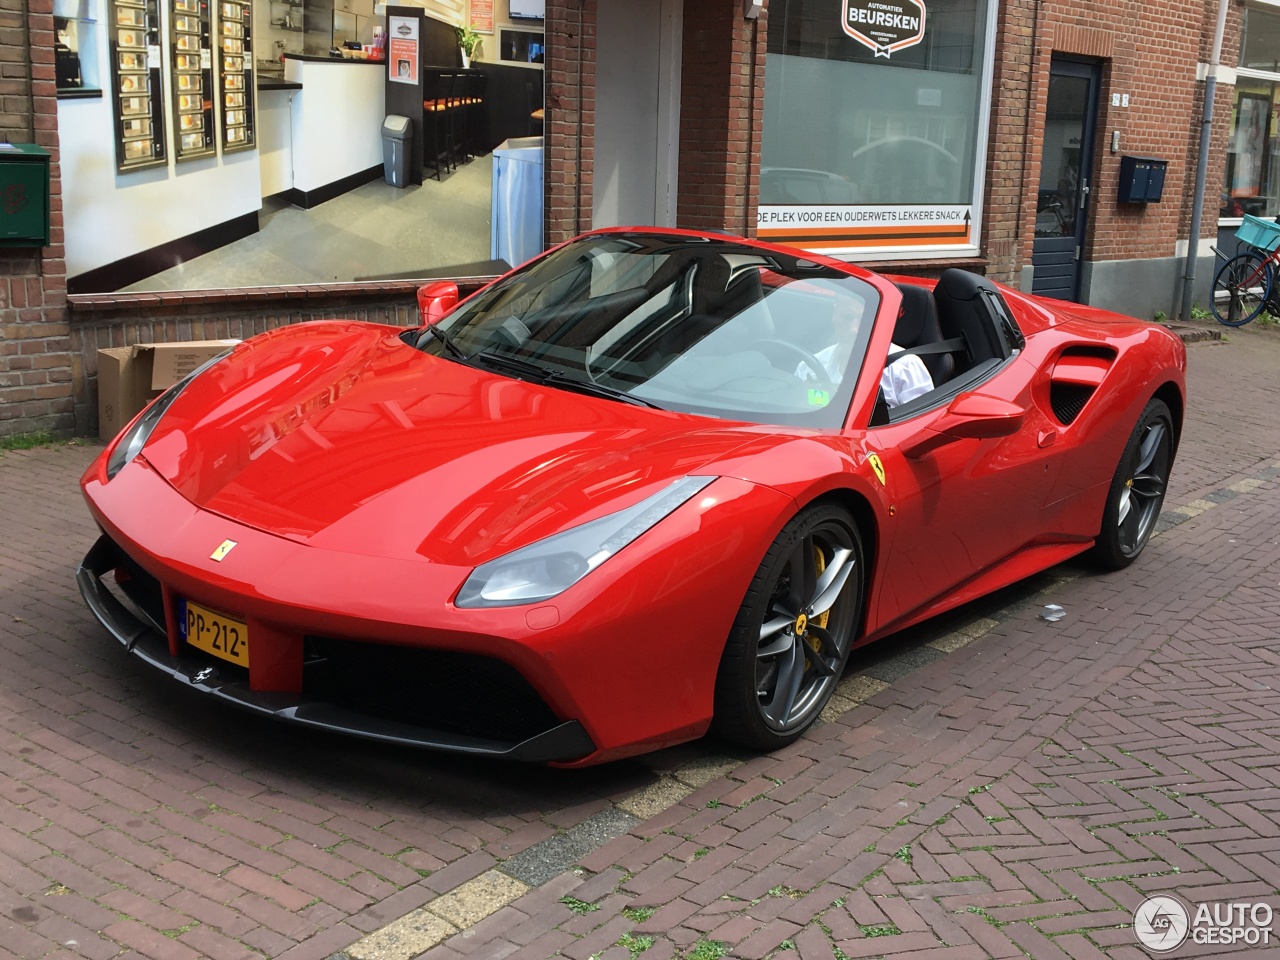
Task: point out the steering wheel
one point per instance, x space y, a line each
822 379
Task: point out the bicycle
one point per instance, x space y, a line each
1246 284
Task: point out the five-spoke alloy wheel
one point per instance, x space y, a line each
1137 489
792 636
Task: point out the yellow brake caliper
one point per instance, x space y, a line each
820 562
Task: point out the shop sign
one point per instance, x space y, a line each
884 26
402 49
833 228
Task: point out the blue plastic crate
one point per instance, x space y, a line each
1263 234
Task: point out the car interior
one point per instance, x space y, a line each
962 331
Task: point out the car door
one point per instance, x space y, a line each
961 504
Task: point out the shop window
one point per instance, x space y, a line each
875 125
1251 177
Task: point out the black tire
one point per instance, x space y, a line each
1137 489
778 671
1239 292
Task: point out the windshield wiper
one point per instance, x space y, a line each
556 378
447 340
521 368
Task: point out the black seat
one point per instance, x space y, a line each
965 310
718 295
917 326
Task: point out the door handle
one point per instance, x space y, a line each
1047 438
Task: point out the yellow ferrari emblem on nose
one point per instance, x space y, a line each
802 624
877 466
225 547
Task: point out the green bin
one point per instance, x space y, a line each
24 195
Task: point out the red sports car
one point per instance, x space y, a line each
653 482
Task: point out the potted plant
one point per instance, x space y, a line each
468 40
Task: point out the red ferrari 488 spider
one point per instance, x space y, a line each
651 483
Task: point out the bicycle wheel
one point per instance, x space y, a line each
1241 288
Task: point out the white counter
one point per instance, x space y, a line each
336 119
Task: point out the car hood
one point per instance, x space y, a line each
340 435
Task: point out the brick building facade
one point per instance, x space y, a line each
1131 257
37 366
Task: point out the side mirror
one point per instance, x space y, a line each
435 300
971 416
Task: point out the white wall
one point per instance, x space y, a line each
110 216
337 119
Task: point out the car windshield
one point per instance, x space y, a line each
699 326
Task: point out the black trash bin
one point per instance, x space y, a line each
396 134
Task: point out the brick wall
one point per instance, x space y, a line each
1148 51
36 363
570 83
721 116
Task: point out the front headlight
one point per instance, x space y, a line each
551 566
131 442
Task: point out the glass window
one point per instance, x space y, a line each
75 54
1260 48
874 146
1251 176
718 329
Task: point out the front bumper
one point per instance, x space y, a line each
136 618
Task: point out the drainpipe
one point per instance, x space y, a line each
1202 164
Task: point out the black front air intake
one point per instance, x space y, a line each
464 693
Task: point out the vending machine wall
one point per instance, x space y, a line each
135 83
192 77
236 49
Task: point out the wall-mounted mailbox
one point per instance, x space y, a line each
24 195
1142 179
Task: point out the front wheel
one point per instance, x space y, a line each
1241 288
1137 489
792 636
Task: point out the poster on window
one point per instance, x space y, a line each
1252 113
902 228
482 16
402 49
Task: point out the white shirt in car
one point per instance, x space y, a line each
902 381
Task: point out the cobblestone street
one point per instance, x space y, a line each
987 785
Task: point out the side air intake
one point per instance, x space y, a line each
1075 378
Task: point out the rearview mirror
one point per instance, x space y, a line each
971 416
435 300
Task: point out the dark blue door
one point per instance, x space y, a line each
1062 209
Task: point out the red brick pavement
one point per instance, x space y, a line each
1017 797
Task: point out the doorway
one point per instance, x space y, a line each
1066 165
637 130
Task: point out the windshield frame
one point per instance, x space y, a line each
613 295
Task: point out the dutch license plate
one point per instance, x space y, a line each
216 633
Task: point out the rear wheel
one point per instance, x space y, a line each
792 636
1137 489
1241 288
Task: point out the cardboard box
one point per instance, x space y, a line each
129 377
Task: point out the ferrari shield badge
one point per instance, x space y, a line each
884 26
225 547
877 466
